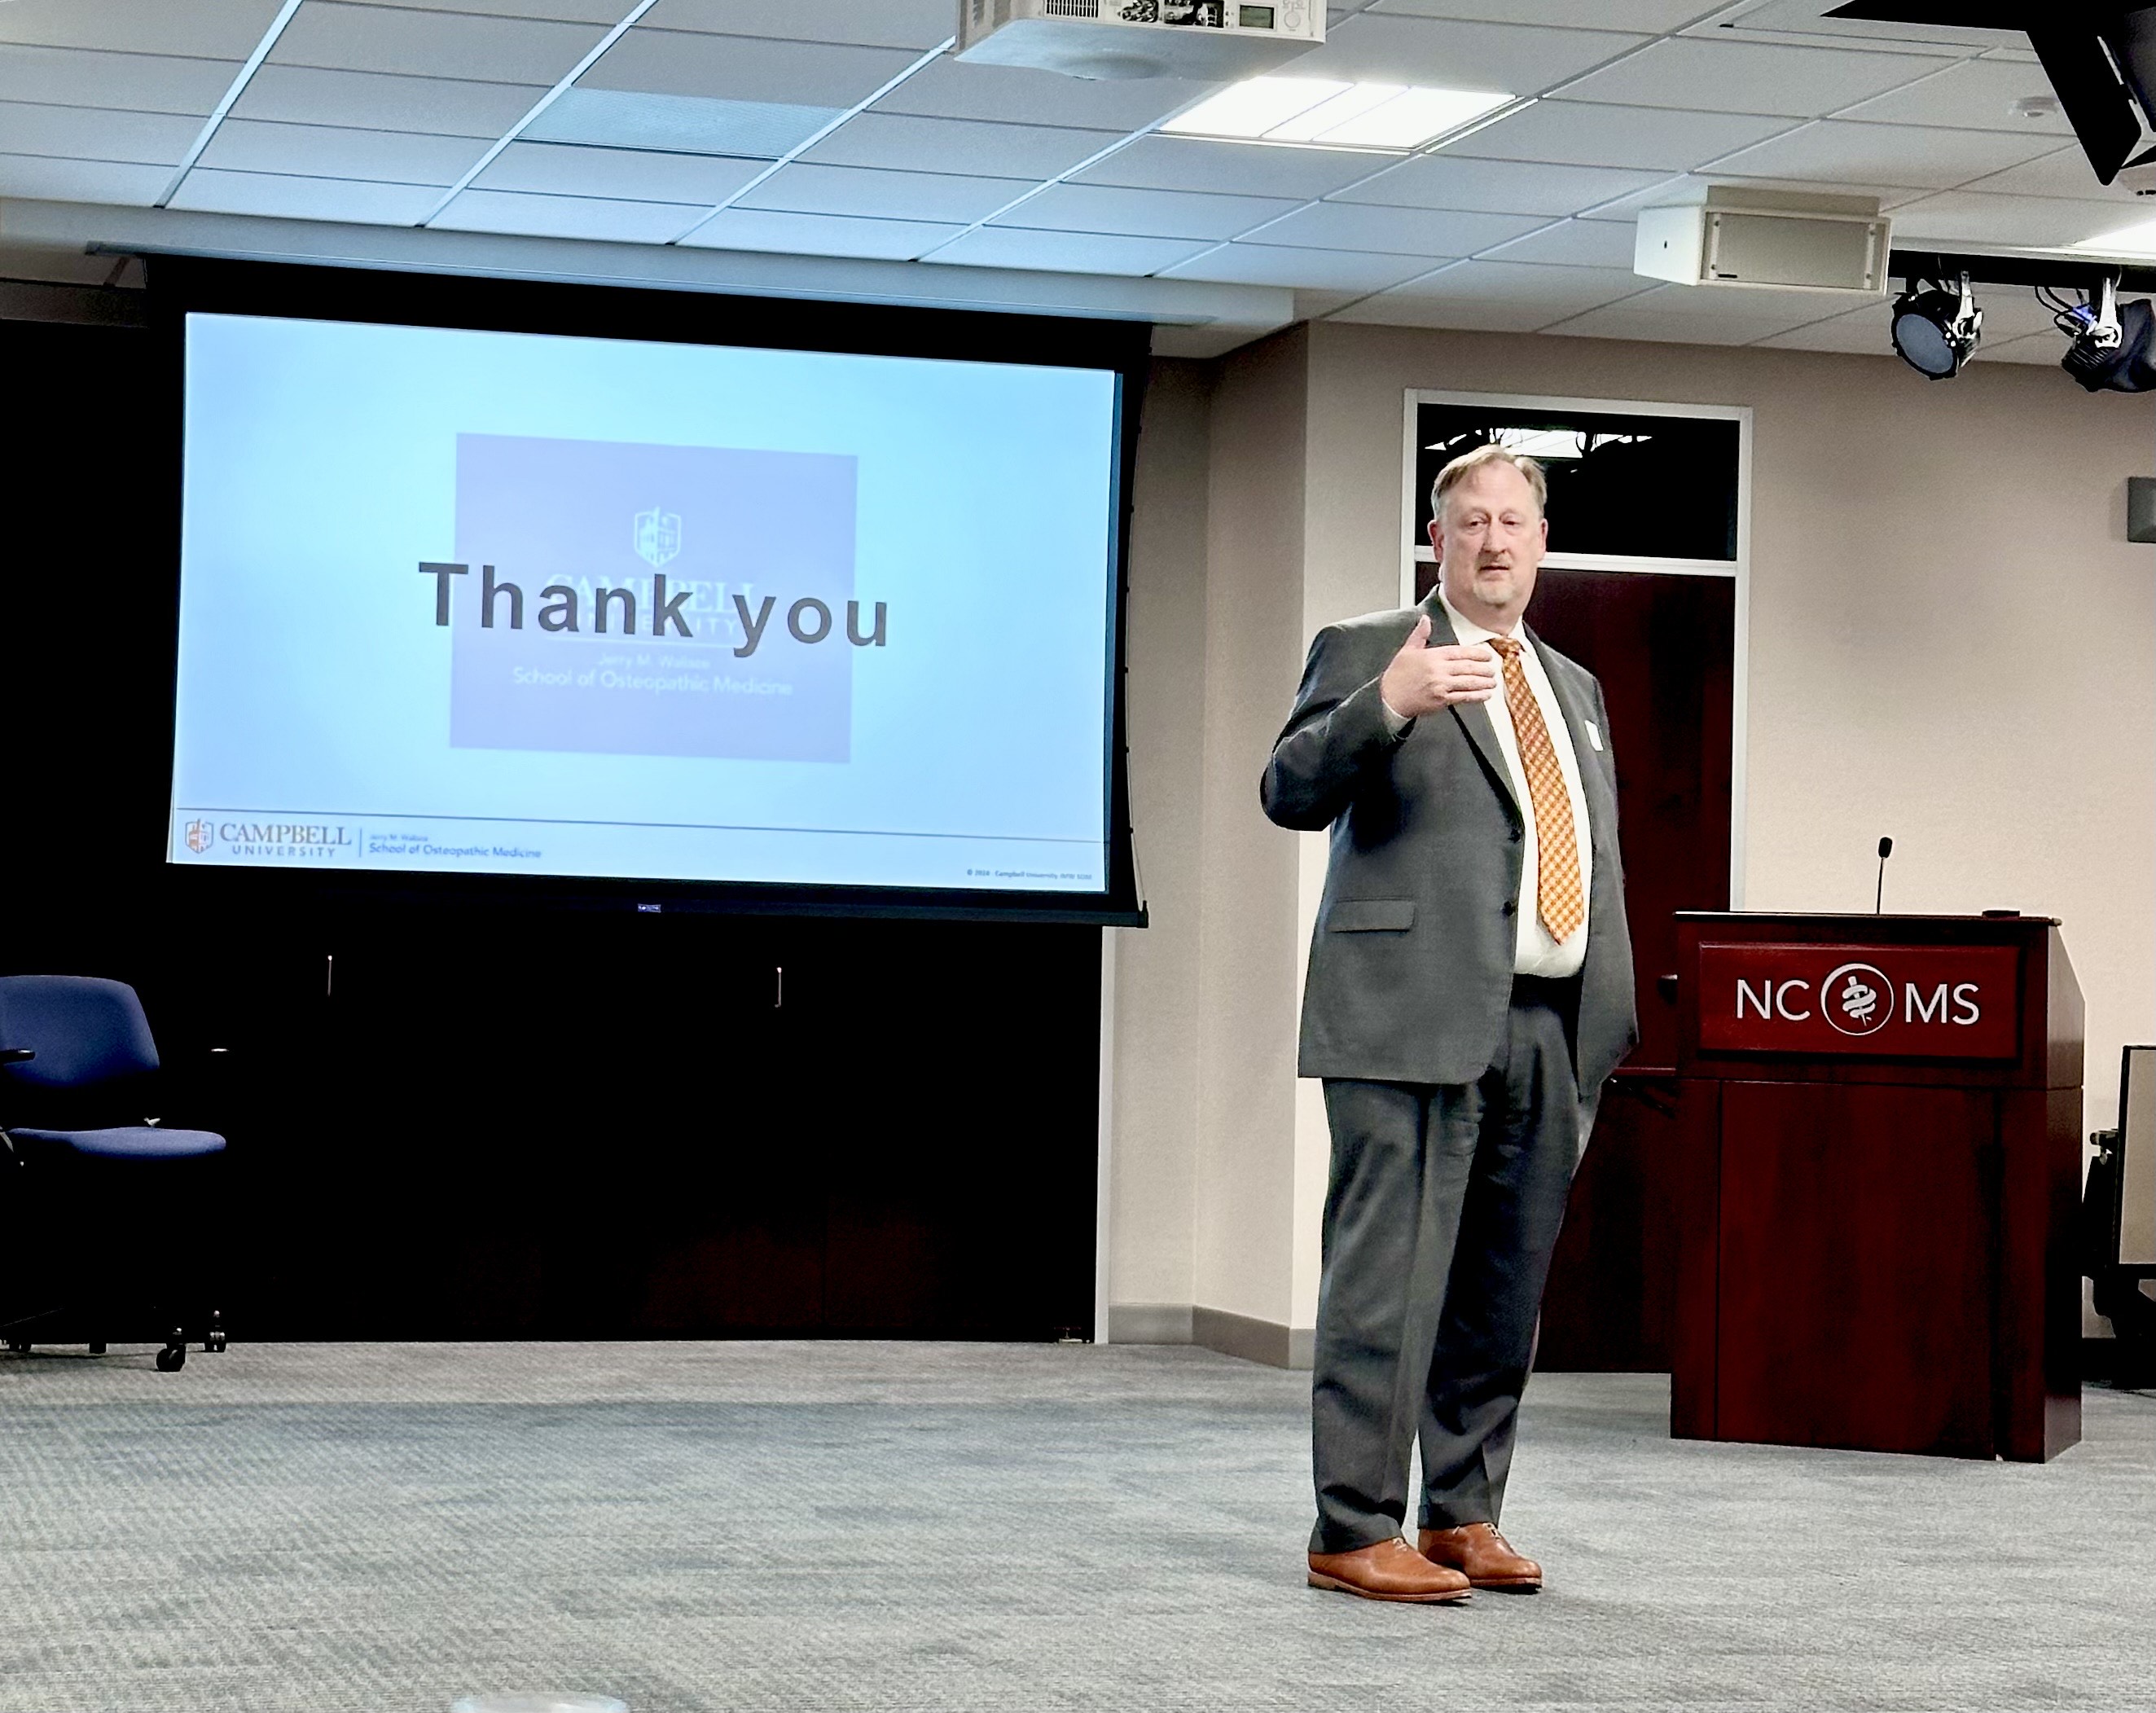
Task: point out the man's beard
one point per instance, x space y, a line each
1497 585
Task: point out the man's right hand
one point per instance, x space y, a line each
1421 680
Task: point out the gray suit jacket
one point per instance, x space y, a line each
1411 965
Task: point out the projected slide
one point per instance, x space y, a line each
510 603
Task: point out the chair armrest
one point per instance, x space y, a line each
17 1055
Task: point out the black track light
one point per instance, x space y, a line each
1936 327
2111 346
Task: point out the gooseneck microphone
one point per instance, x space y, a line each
1879 898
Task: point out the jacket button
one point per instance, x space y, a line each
1512 907
1516 835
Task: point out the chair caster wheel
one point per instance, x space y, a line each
171 1358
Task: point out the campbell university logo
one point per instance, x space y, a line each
201 835
658 537
1858 999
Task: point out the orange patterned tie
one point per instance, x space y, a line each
1556 877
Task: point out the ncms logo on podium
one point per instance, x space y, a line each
1859 999
658 537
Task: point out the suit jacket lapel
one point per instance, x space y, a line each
1474 717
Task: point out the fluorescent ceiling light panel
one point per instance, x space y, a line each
1253 108
1325 114
2139 239
1555 445
1352 103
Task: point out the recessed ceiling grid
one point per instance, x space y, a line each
839 128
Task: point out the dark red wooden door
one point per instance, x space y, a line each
1664 647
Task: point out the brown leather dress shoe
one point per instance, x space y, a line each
1391 1570
1481 1554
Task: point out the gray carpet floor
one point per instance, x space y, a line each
698 1527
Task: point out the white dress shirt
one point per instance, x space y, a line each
1536 953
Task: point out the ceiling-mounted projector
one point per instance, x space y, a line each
1207 41
1745 236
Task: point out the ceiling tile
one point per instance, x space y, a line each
201 29
329 152
1338 271
2011 315
568 217
1518 59
1750 77
1574 243
743 68
1863 334
679 125
1064 252
291 199
1646 317
1402 232
40 178
1803 20
866 192
1314 305
956 145
818 234
1751 303
915 24
2035 348
1967 216
625 175
97 133
1513 296
338 36
1836 151
605 12
1160 162
370 101
1599 134
2063 172
1671 192
142 82
1976 92
1496 187
1653 16
1144 214
951 89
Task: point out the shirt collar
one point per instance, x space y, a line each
1466 630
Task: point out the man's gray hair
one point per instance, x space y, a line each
1481 458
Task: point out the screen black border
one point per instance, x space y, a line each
178 285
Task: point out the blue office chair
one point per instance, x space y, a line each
78 1070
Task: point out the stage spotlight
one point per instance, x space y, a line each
1936 327
2111 341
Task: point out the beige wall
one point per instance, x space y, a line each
1950 640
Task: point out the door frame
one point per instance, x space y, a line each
1739 569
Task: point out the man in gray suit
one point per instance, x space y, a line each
1470 991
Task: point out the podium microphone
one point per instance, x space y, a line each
1879 898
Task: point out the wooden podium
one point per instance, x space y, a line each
1880 1120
